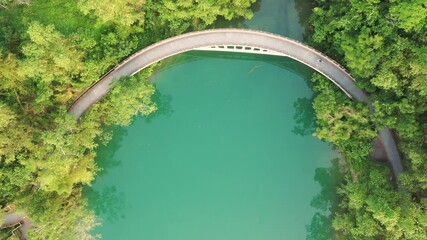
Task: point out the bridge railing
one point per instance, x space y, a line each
186 35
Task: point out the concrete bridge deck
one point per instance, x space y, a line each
240 40
220 37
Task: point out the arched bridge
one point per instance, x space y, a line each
220 40
236 40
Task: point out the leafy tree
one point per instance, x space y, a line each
14 141
11 78
15 146
124 12
410 15
130 96
340 120
60 218
8 3
375 211
181 15
52 62
62 159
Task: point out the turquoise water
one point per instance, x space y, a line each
229 154
285 17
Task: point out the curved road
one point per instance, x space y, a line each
237 37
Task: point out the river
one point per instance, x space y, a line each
229 154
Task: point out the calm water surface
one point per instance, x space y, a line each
229 154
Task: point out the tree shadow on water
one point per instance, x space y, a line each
325 202
304 9
221 22
305 118
164 106
107 203
105 158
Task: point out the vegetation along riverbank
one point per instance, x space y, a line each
383 45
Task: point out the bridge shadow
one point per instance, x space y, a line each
325 202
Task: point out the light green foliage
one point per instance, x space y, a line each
124 12
130 96
60 218
180 15
9 3
415 177
411 15
11 78
386 80
13 136
62 159
363 53
50 56
52 61
14 148
418 71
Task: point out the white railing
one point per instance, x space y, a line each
240 49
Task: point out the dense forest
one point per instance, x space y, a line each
51 50
383 44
